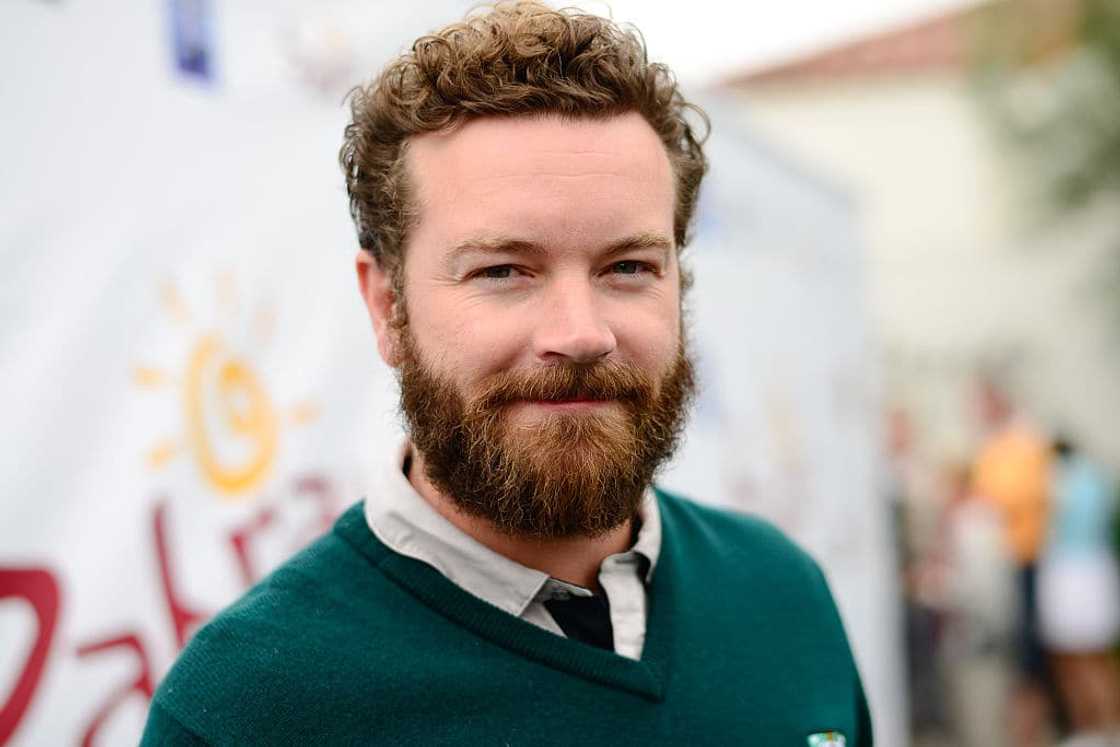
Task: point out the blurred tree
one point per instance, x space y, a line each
1050 70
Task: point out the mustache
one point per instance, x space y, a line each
565 381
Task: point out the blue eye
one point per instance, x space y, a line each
498 272
628 267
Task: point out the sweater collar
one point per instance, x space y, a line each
645 677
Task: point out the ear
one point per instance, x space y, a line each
377 291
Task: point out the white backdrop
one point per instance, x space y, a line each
191 392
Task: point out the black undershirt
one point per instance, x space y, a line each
586 619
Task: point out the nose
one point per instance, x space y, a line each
573 326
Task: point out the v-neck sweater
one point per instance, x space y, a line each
408 525
352 643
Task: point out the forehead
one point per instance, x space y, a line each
543 178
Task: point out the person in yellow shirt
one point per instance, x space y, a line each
1012 472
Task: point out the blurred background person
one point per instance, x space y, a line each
980 608
1012 473
1079 595
916 524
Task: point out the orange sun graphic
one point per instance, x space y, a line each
231 424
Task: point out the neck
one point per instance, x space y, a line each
572 559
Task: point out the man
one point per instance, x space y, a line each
522 184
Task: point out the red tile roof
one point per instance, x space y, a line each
944 42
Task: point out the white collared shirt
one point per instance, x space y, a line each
410 526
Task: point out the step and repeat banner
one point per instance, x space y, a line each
191 391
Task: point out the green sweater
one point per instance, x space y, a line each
351 643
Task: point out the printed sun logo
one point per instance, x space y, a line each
231 425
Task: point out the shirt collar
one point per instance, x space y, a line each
407 524
648 543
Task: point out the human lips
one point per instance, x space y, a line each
574 403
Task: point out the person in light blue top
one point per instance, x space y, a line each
1079 591
1085 500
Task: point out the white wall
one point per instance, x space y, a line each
962 267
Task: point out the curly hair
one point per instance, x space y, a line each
517 58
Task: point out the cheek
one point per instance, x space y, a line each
650 340
653 329
464 343
660 348
489 344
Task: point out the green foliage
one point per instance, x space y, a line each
1054 82
1049 72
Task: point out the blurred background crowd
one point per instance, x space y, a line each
1011 589
907 313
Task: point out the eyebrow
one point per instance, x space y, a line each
505 245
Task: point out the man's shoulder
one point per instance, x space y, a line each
280 642
307 591
729 533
